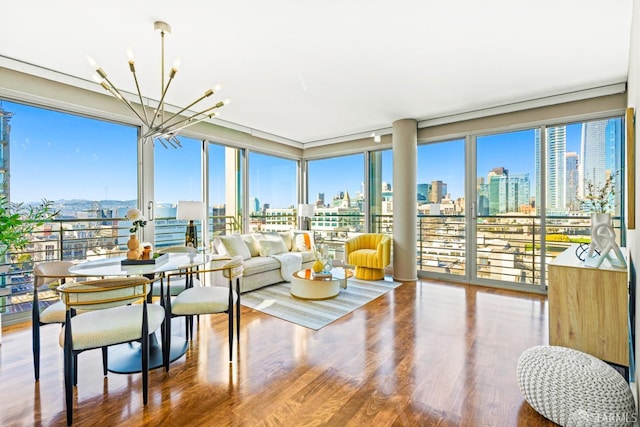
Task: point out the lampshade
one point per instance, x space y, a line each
306 211
190 210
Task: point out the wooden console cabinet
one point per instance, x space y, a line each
589 308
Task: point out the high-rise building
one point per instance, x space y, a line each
600 160
519 192
593 153
438 190
571 185
555 149
5 131
423 193
254 205
498 186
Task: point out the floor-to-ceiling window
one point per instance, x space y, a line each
177 176
441 208
87 167
507 227
225 189
381 191
272 193
336 188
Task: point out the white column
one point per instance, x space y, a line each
405 204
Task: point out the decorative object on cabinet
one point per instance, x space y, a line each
603 238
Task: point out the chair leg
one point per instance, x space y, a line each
35 334
145 354
69 365
166 341
238 309
75 368
105 361
230 315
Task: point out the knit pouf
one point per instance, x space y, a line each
572 388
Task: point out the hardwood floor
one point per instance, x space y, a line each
425 354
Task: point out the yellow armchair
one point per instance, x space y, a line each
370 254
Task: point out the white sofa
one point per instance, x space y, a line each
261 253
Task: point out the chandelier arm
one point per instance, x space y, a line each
169 142
176 140
115 92
135 78
160 110
206 94
194 115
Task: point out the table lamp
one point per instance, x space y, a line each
190 211
305 212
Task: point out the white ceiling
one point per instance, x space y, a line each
311 70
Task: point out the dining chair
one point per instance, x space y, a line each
46 273
182 281
207 300
115 311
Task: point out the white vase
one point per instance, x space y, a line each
600 224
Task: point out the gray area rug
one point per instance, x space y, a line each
276 301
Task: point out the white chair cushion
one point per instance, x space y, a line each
176 285
572 388
100 328
202 300
54 313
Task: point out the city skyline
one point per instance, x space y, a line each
58 147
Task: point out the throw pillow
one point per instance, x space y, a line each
287 236
272 245
303 242
252 244
235 246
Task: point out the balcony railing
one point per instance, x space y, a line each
77 240
508 248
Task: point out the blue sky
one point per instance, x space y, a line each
56 155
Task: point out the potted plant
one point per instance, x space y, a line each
18 221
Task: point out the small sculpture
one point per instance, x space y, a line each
603 237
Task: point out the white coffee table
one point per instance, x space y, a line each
305 286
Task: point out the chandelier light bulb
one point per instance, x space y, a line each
130 54
91 61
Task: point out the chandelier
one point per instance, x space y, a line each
159 126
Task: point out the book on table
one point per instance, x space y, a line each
321 275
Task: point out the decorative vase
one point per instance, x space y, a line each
134 247
600 225
327 264
317 266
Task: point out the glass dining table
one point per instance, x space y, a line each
127 358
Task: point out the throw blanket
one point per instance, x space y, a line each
290 262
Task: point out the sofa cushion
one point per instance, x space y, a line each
252 244
287 236
260 265
235 246
302 241
272 245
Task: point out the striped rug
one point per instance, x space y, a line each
276 301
